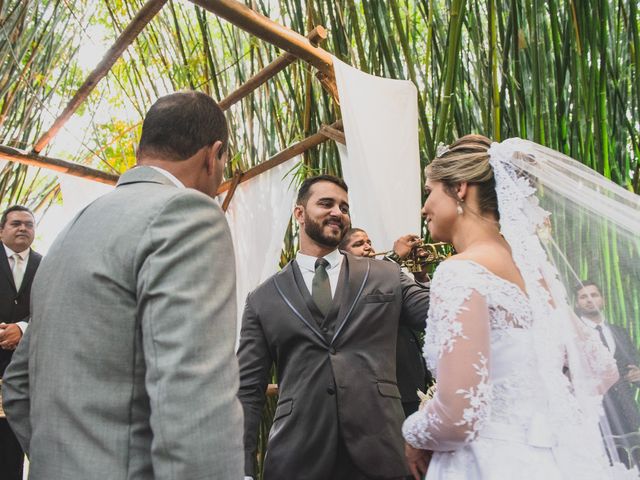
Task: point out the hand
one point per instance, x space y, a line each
405 244
633 374
418 460
10 335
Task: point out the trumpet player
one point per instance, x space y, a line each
411 371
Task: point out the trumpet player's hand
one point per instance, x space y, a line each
422 276
403 246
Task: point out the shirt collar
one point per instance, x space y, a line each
23 254
592 324
169 175
308 262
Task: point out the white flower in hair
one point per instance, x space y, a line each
441 149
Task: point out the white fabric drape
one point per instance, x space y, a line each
77 193
381 162
258 217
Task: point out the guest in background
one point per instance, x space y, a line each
18 264
619 402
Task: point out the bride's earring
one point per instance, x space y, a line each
459 207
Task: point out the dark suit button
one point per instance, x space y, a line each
332 351
325 329
331 390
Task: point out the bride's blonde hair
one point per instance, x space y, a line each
467 160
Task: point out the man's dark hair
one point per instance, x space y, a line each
14 208
587 283
180 124
347 237
304 190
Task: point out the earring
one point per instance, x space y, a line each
459 207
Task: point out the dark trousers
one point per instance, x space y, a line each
11 455
344 468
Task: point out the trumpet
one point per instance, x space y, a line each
423 254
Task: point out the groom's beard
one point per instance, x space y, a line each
315 231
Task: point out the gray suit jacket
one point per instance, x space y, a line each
127 370
331 385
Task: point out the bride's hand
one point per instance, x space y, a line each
418 460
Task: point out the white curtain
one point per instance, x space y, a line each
381 162
258 217
77 193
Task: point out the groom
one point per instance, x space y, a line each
329 322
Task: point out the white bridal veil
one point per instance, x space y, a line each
565 224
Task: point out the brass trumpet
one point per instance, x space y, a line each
423 254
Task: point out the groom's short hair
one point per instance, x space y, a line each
304 192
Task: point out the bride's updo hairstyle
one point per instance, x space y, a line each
467 160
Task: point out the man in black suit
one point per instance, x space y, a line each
619 402
329 322
18 265
411 372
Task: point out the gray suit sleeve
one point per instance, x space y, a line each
415 302
186 307
255 364
15 393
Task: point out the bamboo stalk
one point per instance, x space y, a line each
269 31
455 27
144 16
315 36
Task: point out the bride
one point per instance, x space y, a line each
519 378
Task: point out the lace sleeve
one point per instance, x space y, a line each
460 320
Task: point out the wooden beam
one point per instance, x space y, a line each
270 31
128 35
70 168
315 36
232 190
281 157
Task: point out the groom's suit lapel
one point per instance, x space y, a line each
357 276
287 287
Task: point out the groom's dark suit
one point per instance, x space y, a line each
336 375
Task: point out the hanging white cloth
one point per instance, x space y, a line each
77 193
381 162
258 216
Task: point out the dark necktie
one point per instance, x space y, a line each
602 337
320 287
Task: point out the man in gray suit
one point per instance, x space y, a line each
329 322
127 370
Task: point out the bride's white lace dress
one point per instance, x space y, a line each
508 416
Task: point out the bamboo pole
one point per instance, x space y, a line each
283 156
269 31
70 168
315 36
128 35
